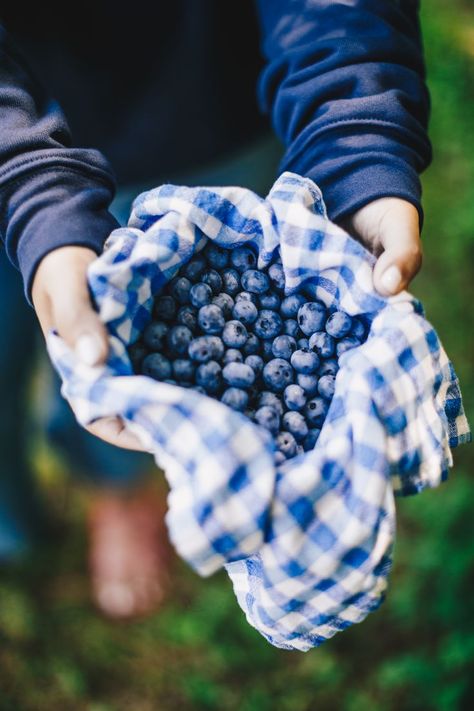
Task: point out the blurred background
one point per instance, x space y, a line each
415 653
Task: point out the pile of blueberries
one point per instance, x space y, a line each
226 329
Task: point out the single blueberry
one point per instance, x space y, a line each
243 258
283 347
268 324
246 296
231 281
180 288
238 375
291 304
338 324
294 397
217 257
212 279
303 344
322 344
326 386
266 416
205 348
245 311
266 350
295 423
328 367
345 344
277 374
315 411
200 295
311 317
252 345
255 281
358 329
155 334
195 267
277 276
211 319
183 369
268 398
234 334
137 352
178 339
279 458
165 308
309 383
232 355
270 301
305 361
311 438
286 444
209 377
255 362
291 328
187 316
156 366
235 398
224 302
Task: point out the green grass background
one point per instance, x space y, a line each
415 653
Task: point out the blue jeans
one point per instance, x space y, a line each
22 517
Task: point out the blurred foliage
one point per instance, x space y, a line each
414 654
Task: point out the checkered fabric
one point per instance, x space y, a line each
308 544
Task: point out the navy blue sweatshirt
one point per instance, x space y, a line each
130 93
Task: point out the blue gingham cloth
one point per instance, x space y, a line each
307 544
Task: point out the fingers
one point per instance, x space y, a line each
113 431
62 301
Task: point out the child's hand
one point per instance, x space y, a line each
390 229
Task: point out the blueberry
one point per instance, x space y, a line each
315 411
268 398
209 377
200 295
311 317
187 316
205 348
305 361
217 257
238 375
290 327
309 383
329 367
303 344
252 345
311 439
255 362
345 344
212 279
295 423
178 339
230 281
183 369
155 334
136 352
268 324
286 444
294 397
180 288
358 329
224 302
235 398
277 374
211 319
270 300
156 366
246 296
234 334
279 458
266 416
243 258
291 304
245 311
266 350
326 386
283 347
338 324
232 355
255 281
195 267
165 308
277 276
322 344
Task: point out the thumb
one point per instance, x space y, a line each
401 258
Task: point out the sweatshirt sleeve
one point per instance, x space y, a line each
345 85
51 194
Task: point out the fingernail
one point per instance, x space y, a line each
89 349
391 279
